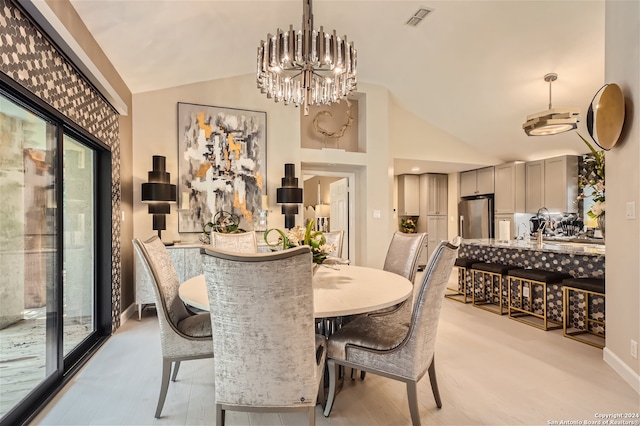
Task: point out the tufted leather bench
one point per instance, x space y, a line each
489 290
528 296
590 310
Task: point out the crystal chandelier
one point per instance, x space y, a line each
306 67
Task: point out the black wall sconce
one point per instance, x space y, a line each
289 195
158 193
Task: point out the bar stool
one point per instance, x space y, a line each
584 310
493 296
463 292
529 296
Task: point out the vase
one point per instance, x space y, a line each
601 222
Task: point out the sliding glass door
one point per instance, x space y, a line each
28 246
79 243
55 207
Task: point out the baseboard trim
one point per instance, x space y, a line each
128 313
623 370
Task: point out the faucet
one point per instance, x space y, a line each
524 235
544 224
541 232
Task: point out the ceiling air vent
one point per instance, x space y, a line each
418 17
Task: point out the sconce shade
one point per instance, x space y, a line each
289 195
158 188
158 193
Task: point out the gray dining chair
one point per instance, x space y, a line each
386 346
183 336
335 257
336 238
268 357
241 242
402 259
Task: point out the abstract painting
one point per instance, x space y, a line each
222 164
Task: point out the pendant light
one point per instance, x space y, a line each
553 120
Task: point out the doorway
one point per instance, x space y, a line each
332 194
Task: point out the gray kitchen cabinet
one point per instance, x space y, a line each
468 183
552 183
485 180
409 195
477 182
434 192
437 231
437 191
509 196
534 186
561 184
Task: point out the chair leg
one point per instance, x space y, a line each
434 382
321 398
176 367
139 312
312 415
362 375
333 372
220 415
412 395
164 386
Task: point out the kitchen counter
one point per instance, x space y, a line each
578 259
549 245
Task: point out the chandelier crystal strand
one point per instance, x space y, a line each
306 67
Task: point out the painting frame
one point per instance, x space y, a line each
222 164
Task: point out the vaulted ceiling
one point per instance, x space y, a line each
473 69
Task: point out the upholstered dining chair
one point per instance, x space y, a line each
268 357
335 257
388 347
183 336
335 238
240 242
402 259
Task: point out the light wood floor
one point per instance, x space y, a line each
491 371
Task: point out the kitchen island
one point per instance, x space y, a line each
578 259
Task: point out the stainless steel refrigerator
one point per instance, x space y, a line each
476 217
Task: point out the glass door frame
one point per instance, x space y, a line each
66 367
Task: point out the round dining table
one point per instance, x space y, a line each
338 290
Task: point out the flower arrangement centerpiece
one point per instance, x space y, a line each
408 225
591 181
299 236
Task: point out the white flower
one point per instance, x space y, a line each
327 248
598 208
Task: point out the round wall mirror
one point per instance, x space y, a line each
605 116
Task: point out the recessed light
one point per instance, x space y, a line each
415 169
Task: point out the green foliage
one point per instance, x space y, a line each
592 175
299 236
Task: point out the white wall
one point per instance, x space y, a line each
411 137
155 133
622 66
